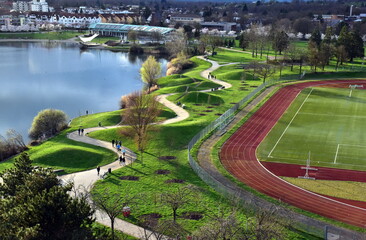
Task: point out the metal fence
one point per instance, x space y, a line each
229 189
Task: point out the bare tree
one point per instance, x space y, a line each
212 41
341 55
267 225
265 71
150 71
132 36
112 204
156 36
178 42
141 111
224 225
177 198
292 54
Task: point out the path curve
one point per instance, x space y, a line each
83 181
238 155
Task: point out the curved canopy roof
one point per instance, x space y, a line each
127 27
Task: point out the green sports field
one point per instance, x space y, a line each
325 122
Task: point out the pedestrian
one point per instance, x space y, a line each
79 130
87 112
118 147
82 131
123 160
98 170
120 160
120 143
113 143
100 124
124 152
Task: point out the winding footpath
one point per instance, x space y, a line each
83 181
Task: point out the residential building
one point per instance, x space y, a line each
21 6
185 18
38 6
221 26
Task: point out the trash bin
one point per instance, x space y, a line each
109 170
126 211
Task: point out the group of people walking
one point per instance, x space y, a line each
210 76
122 157
81 131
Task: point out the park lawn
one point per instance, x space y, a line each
324 121
163 141
112 118
60 152
41 35
340 189
92 120
227 56
101 40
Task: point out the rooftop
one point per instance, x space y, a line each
127 27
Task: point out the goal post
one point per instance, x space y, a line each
307 168
353 87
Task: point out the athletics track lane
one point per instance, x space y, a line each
238 155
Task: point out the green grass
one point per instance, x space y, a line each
41 35
60 152
341 189
100 39
325 122
92 120
164 142
227 56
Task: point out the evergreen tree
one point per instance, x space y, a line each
245 8
34 205
355 46
243 41
280 42
316 37
343 37
328 35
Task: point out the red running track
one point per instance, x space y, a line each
238 155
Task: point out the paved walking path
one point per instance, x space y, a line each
83 181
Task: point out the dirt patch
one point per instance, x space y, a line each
130 178
208 110
175 181
150 215
202 114
162 171
192 215
149 220
167 157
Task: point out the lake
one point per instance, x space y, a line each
36 76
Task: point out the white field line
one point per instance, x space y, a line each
298 110
332 115
335 158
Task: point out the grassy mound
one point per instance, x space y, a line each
201 97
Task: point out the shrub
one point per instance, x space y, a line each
136 49
47 123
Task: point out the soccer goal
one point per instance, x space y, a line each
307 169
352 87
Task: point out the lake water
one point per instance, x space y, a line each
36 76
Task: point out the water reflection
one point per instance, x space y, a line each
35 76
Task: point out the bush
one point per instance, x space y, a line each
136 49
47 123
